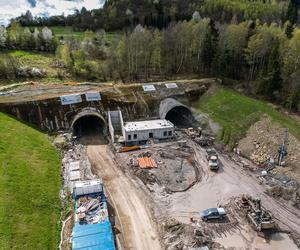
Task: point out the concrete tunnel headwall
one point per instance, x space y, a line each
176 112
48 113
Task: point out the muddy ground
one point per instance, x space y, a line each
174 209
159 208
176 166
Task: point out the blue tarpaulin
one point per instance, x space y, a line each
93 236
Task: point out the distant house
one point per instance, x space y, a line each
141 131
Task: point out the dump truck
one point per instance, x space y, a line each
92 228
212 158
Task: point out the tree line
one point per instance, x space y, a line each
25 38
260 56
120 14
16 37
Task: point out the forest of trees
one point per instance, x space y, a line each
261 54
120 14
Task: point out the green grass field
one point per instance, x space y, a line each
67 32
38 60
33 59
236 113
29 188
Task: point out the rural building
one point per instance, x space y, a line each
142 131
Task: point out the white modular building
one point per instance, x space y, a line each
142 131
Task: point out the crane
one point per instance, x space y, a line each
282 151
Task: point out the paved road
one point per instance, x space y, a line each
136 225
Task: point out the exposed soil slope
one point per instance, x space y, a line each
262 142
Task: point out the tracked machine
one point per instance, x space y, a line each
256 214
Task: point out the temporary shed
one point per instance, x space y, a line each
93 237
88 187
141 131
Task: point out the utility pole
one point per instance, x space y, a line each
282 151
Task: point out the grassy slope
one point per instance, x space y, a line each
38 60
236 113
67 32
29 188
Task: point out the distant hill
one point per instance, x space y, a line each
120 14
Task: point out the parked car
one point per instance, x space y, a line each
213 213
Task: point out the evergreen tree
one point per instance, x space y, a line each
270 79
292 16
210 47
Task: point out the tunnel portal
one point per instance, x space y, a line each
180 116
176 112
88 125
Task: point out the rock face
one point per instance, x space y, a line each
262 143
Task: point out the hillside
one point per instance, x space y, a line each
117 15
236 113
29 188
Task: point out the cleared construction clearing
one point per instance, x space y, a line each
158 189
29 188
178 195
158 184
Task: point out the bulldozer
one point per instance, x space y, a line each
258 216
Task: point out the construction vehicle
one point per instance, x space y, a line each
193 132
259 217
213 161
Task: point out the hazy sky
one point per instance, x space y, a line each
14 8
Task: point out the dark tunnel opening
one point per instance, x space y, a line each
89 129
180 116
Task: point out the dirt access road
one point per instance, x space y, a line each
136 225
217 188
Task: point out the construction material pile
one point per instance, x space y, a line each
263 140
183 236
90 210
147 162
